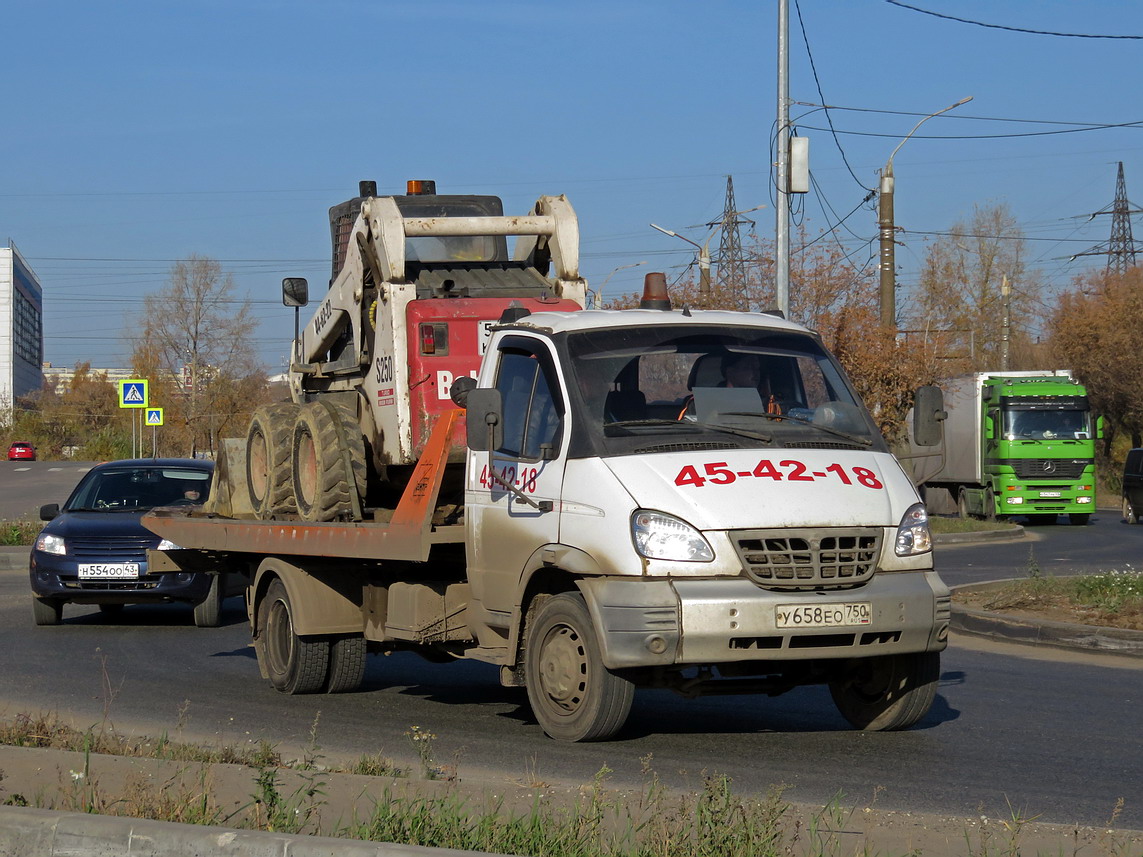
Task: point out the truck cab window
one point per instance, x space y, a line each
531 410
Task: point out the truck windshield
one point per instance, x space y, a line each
646 387
1027 424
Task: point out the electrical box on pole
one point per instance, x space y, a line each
799 165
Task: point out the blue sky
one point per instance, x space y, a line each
139 133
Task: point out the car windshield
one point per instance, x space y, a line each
136 489
642 388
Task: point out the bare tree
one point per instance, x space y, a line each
197 348
960 292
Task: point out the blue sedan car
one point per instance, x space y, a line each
93 550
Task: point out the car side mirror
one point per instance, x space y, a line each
49 511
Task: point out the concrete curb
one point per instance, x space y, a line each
1013 534
12 558
1040 632
27 832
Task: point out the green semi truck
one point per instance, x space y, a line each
1015 443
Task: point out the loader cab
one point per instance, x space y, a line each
422 200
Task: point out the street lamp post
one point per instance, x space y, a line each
597 298
887 227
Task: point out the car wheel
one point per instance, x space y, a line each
47 611
294 664
889 692
1129 513
208 612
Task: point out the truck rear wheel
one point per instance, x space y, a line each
887 693
294 664
346 664
328 463
573 695
268 448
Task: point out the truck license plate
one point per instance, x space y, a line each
1049 493
108 570
823 615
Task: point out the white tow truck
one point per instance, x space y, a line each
597 504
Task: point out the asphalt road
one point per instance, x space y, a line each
27 485
1013 729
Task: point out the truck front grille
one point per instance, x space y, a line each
834 558
1048 468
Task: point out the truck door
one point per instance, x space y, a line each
508 527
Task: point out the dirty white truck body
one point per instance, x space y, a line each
607 514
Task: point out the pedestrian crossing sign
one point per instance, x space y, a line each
154 416
133 393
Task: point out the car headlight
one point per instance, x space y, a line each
167 545
913 536
660 536
51 544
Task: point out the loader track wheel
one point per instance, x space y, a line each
294 664
573 695
268 474
328 463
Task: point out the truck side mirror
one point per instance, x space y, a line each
295 291
484 419
1099 427
928 414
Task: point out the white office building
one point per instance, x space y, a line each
21 328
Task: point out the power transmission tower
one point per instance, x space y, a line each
731 265
1120 250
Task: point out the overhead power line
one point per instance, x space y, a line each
1003 27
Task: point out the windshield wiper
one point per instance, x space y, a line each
863 441
753 435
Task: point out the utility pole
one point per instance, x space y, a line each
731 266
781 195
1006 299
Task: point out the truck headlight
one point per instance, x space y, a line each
167 545
660 536
913 536
51 544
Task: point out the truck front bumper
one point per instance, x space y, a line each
662 622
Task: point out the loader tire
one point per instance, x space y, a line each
268 474
328 464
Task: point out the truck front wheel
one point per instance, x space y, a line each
573 695
295 664
887 693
